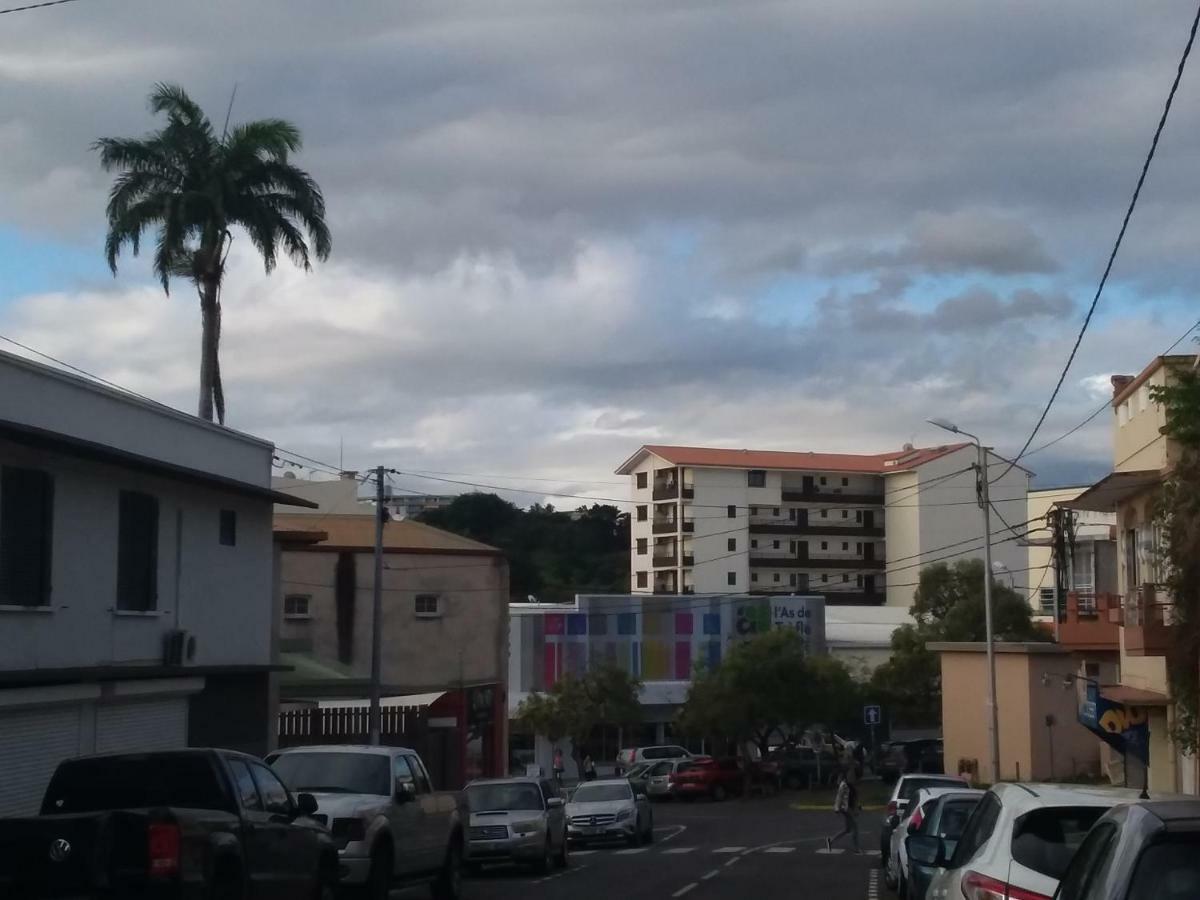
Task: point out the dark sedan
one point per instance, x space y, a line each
1141 851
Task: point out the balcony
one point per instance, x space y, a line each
794 496
666 490
688 526
668 527
1149 627
688 560
1088 622
665 561
689 589
688 492
778 526
766 561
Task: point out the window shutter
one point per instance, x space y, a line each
26 533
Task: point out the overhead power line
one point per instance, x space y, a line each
1112 256
15 9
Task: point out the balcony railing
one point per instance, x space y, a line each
666 561
1149 622
795 496
664 589
1087 624
668 527
666 491
777 526
767 561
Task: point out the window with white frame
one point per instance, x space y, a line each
427 606
1047 598
297 606
1143 398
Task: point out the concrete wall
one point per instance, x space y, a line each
467 642
1137 444
221 595
715 490
902 524
45 398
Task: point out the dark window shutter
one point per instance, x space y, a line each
137 552
26 533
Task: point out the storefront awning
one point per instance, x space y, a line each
1131 696
1105 494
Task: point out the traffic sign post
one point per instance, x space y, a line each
872 716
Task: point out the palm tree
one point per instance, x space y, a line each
194 187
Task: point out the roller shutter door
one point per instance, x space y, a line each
142 725
32 743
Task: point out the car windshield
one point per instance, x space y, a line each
600 793
1045 840
1169 870
335 773
488 797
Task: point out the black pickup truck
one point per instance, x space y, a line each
176 825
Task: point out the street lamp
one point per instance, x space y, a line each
993 718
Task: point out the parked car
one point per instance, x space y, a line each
945 818
1017 843
924 756
1138 851
801 767
639 775
896 867
706 777
609 809
903 791
390 826
516 820
658 778
631 756
180 824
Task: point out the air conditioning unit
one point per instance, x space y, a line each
178 647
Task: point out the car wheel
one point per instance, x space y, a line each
719 793
379 879
448 885
563 860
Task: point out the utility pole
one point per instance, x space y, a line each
993 712
373 715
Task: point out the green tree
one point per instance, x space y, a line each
947 606
194 187
766 685
577 704
1177 511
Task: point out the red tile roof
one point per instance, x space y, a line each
867 464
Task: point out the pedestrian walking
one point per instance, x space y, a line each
846 804
559 766
589 768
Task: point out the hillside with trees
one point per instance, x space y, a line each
552 554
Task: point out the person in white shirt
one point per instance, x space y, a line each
845 803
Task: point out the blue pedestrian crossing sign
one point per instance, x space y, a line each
871 715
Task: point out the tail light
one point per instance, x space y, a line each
917 818
162 844
980 887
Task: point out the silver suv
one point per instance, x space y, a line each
517 819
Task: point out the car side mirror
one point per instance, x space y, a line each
555 803
405 792
306 804
926 850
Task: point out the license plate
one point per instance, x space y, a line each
591 829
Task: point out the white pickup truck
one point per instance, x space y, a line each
390 826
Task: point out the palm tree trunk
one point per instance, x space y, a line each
210 314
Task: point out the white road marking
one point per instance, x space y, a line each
873 885
583 852
683 890
732 861
834 852
679 829
713 874
629 851
780 850
679 850
729 850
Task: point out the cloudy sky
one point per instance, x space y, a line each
563 228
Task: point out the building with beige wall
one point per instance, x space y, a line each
1142 458
1034 681
854 528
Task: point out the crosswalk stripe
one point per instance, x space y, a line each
729 850
629 851
834 852
583 852
780 850
680 850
